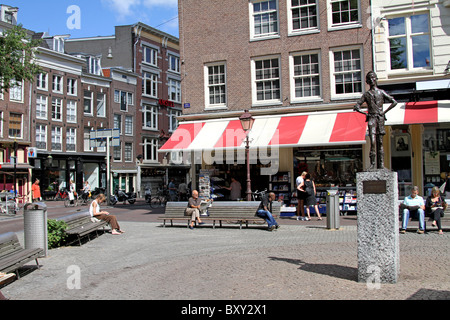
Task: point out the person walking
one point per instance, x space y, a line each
36 191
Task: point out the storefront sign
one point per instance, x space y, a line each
375 187
166 103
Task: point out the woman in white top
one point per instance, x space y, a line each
96 212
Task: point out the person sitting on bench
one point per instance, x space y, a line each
413 204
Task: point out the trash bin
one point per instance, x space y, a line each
35 226
333 211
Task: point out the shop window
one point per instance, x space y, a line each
401 159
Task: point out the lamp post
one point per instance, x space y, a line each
247 124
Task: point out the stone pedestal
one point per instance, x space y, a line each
378 227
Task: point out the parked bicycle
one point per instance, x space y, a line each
258 195
13 205
160 199
62 194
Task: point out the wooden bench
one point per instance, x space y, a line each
232 212
13 256
80 224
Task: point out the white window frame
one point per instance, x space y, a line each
153 143
149 55
71 111
409 44
16 91
153 113
344 25
130 158
57 83
174 90
174 63
41 136
57 109
41 107
173 121
208 86
42 81
21 126
300 31
267 35
293 77
101 98
129 125
56 137
255 81
87 139
72 85
71 136
150 78
91 99
333 73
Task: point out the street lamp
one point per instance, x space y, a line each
247 124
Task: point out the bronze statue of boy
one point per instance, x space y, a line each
375 117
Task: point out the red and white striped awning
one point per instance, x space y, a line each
316 129
419 112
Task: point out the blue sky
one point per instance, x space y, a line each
96 17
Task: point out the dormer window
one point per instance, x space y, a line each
93 65
58 44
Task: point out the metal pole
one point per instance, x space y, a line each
249 182
108 171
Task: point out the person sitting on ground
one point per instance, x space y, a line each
435 207
265 209
96 212
193 209
413 204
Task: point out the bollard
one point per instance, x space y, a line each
333 212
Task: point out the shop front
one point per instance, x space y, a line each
55 171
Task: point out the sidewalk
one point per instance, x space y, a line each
297 262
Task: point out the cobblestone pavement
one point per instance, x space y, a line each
297 262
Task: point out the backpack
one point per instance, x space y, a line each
309 189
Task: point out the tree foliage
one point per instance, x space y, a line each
17 58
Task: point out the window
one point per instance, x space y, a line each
57 109
305 76
150 84
303 15
150 149
42 81
57 83
101 105
15 125
150 55
56 138
41 136
87 139
128 151
263 19
216 85
93 65
174 63
58 44
344 13
150 117
347 72
72 86
118 122
409 42
88 102
71 139
124 98
173 121
71 111
117 153
41 107
174 90
266 80
16 91
129 125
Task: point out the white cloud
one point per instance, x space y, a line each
122 7
156 3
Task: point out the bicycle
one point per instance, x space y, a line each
71 203
160 199
61 195
11 206
83 198
258 195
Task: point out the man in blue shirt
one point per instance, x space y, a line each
413 204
